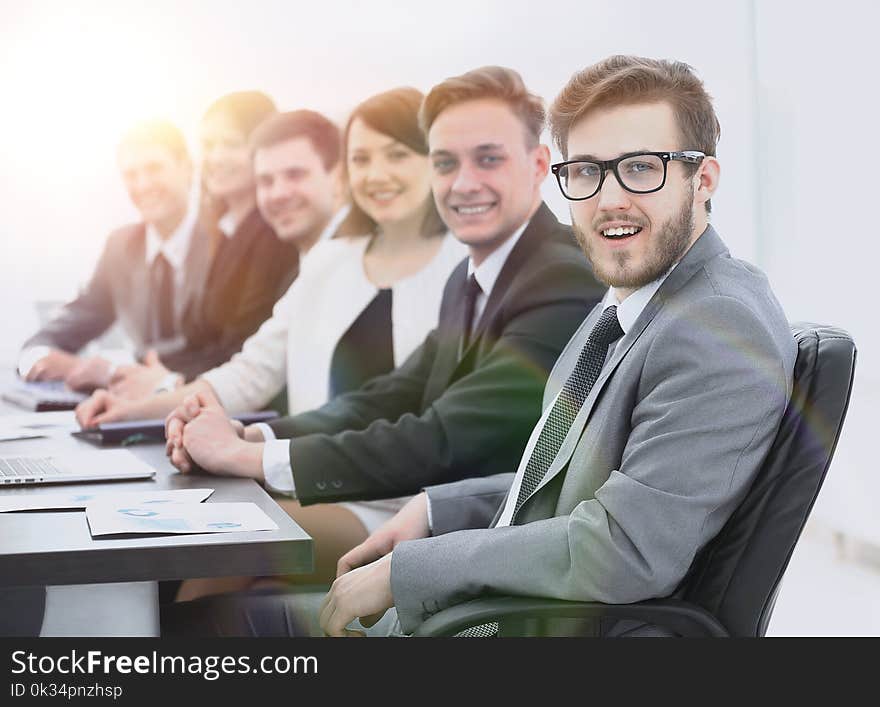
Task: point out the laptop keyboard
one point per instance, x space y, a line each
20 469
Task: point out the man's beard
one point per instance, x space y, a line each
671 241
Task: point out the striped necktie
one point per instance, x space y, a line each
569 401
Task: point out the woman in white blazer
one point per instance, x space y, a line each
332 331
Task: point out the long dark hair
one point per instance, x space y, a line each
394 113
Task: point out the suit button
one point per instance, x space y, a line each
337 484
321 486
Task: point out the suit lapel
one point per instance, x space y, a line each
708 246
231 254
196 266
542 223
139 288
448 334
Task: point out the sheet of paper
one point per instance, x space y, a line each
58 419
16 501
115 519
8 433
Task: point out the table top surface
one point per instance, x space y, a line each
56 547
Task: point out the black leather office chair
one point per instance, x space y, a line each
731 588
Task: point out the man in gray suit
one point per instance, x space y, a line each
656 416
147 276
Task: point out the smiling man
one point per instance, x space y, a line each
296 164
657 414
147 276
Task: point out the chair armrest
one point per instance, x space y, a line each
681 617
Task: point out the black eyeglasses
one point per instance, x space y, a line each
637 172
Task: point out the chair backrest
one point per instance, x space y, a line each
737 576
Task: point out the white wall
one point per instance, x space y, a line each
818 241
80 73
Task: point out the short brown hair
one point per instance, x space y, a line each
393 113
625 80
320 132
158 132
497 82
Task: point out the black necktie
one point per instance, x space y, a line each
163 294
472 291
569 402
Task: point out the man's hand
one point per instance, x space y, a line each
139 380
185 412
409 523
213 441
362 589
89 373
54 366
102 406
364 593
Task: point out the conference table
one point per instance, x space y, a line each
107 586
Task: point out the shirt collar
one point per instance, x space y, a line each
175 247
334 223
487 272
629 310
227 225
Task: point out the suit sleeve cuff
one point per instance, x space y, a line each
430 514
276 467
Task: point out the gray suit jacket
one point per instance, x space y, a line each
662 451
119 290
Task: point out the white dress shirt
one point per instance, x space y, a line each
487 272
628 312
175 249
227 225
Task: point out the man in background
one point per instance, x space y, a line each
147 275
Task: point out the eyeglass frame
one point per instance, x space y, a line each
687 156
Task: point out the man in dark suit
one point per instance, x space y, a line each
463 404
147 276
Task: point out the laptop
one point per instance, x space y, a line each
43 396
111 465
